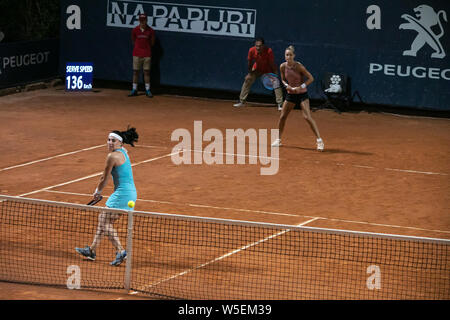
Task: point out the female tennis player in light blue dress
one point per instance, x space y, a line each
118 165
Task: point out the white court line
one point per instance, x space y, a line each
70 153
50 158
151 147
93 175
269 212
231 154
339 164
220 100
135 164
384 225
398 170
414 171
392 169
413 117
364 167
60 184
221 257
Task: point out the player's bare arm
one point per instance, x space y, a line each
111 161
283 79
306 73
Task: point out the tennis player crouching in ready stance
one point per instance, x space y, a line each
119 166
296 78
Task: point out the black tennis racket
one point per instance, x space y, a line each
270 81
95 201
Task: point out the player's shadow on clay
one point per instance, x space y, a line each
330 150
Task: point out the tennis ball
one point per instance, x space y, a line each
131 204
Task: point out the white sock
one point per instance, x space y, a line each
134 86
147 86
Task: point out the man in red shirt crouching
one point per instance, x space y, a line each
260 60
143 39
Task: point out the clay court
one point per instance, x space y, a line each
379 172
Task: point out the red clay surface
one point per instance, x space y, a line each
379 172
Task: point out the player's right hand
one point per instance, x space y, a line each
96 194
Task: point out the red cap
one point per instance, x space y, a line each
142 16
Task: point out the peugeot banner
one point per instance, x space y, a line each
23 62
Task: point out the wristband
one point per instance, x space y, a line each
303 86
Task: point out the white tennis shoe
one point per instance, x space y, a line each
239 105
320 144
277 143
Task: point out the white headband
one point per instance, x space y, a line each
115 135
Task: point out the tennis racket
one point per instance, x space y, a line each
94 201
270 81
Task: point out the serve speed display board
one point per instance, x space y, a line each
79 76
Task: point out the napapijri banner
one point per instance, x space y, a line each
178 17
392 52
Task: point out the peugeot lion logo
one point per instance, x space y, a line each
426 18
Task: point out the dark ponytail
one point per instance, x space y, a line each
130 136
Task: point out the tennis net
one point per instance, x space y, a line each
176 256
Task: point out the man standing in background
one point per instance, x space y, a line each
260 60
143 39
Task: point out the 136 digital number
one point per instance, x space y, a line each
74 82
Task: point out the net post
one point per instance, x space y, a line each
129 249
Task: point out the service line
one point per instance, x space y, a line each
50 158
93 175
265 212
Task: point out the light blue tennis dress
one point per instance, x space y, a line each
124 188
